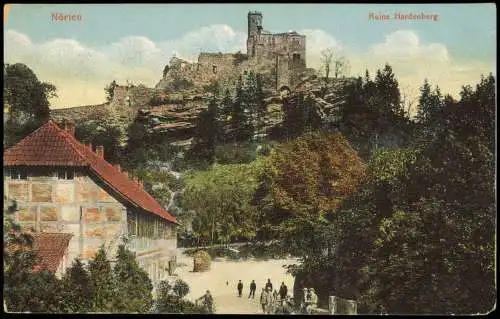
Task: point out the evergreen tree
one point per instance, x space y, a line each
388 91
102 283
224 116
240 128
429 103
225 106
260 105
207 130
250 99
133 286
77 289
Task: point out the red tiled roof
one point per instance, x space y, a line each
46 146
50 248
51 145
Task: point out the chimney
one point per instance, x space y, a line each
89 145
141 183
117 166
125 173
70 127
100 151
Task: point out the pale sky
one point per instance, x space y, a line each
134 41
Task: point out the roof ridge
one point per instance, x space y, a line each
71 139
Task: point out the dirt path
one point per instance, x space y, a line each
226 296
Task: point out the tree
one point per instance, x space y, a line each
207 130
28 100
26 290
418 237
429 103
303 181
170 299
102 283
104 134
341 66
77 289
260 105
326 61
330 60
388 94
223 115
222 196
25 94
133 286
241 129
374 116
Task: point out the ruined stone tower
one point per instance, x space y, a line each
254 22
279 57
286 51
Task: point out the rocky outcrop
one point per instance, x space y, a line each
175 115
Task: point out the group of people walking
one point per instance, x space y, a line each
271 301
268 298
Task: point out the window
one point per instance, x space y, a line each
214 69
18 173
67 174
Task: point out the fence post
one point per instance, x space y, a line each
353 307
332 303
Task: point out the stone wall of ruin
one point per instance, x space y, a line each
81 113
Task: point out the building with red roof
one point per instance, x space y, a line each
52 249
63 186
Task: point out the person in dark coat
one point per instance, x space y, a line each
283 291
269 285
240 288
253 287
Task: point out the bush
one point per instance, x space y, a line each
181 288
262 251
169 299
237 153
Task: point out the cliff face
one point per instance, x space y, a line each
175 115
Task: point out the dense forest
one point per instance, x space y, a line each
394 211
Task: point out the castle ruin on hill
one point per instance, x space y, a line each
279 57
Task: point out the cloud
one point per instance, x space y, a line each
81 72
405 44
317 41
413 61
